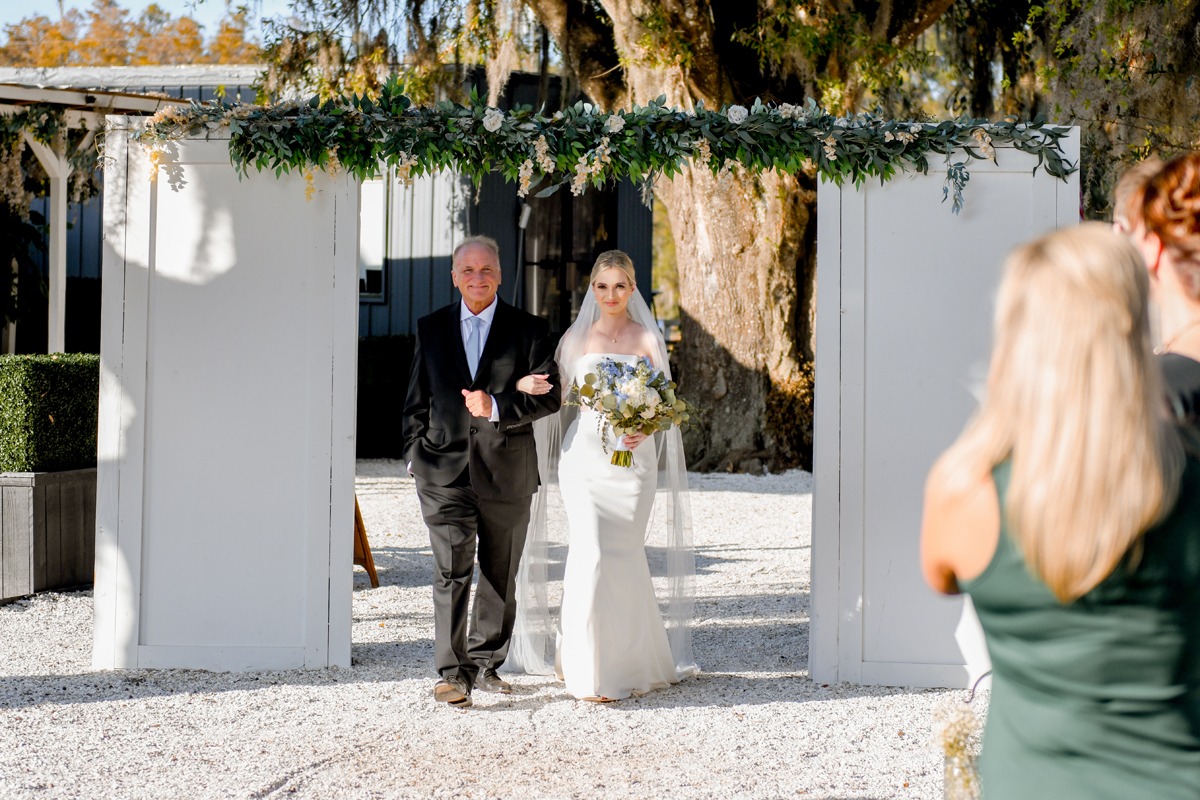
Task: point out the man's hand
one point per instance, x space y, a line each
479 403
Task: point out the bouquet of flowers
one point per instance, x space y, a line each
629 398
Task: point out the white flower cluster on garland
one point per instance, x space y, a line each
583 145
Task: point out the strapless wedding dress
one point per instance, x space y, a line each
612 641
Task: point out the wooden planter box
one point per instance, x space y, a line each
47 531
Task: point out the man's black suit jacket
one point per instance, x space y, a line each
441 438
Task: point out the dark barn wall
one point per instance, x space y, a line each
424 223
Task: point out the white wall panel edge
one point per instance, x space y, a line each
320 279
340 583
852 429
824 541
108 449
128 219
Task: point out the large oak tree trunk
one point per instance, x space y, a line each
745 246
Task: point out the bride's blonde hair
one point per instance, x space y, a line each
611 259
1076 399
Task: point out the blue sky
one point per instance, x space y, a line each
206 12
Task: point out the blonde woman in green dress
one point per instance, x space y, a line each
1069 511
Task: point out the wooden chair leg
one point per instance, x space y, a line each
362 548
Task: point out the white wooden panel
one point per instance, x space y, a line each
219 659
223 368
227 417
928 332
911 286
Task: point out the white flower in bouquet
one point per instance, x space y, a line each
631 391
629 398
736 114
614 124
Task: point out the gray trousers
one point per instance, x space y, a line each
460 525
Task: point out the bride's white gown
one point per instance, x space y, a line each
612 641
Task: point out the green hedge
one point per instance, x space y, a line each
48 412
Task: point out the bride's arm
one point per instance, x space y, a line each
537 383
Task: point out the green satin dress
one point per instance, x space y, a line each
1098 698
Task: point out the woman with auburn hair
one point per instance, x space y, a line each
1166 227
1069 512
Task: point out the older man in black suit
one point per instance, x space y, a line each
468 438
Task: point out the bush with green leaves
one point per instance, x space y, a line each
49 412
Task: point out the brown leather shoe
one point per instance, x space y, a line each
489 681
452 692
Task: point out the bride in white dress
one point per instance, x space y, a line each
612 639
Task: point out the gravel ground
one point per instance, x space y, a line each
752 725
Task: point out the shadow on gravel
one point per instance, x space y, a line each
412 567
719 690
406 567
770 647
105 687
740 609
407 659
795 483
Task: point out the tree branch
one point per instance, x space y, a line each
911 18
587 48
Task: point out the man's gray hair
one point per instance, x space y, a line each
486 242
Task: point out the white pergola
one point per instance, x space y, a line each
85 109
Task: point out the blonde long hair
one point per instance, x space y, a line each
1075 399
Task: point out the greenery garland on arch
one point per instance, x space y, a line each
583 145
21 174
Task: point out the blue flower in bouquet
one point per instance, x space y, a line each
629 398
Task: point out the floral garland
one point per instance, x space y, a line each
47 124
583 145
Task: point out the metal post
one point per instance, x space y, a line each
519 283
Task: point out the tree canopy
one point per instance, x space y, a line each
106 34
746 290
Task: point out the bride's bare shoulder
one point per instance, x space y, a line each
647 344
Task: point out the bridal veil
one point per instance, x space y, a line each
668 535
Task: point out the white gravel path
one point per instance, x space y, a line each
751 726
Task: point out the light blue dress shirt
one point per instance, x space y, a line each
464 325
